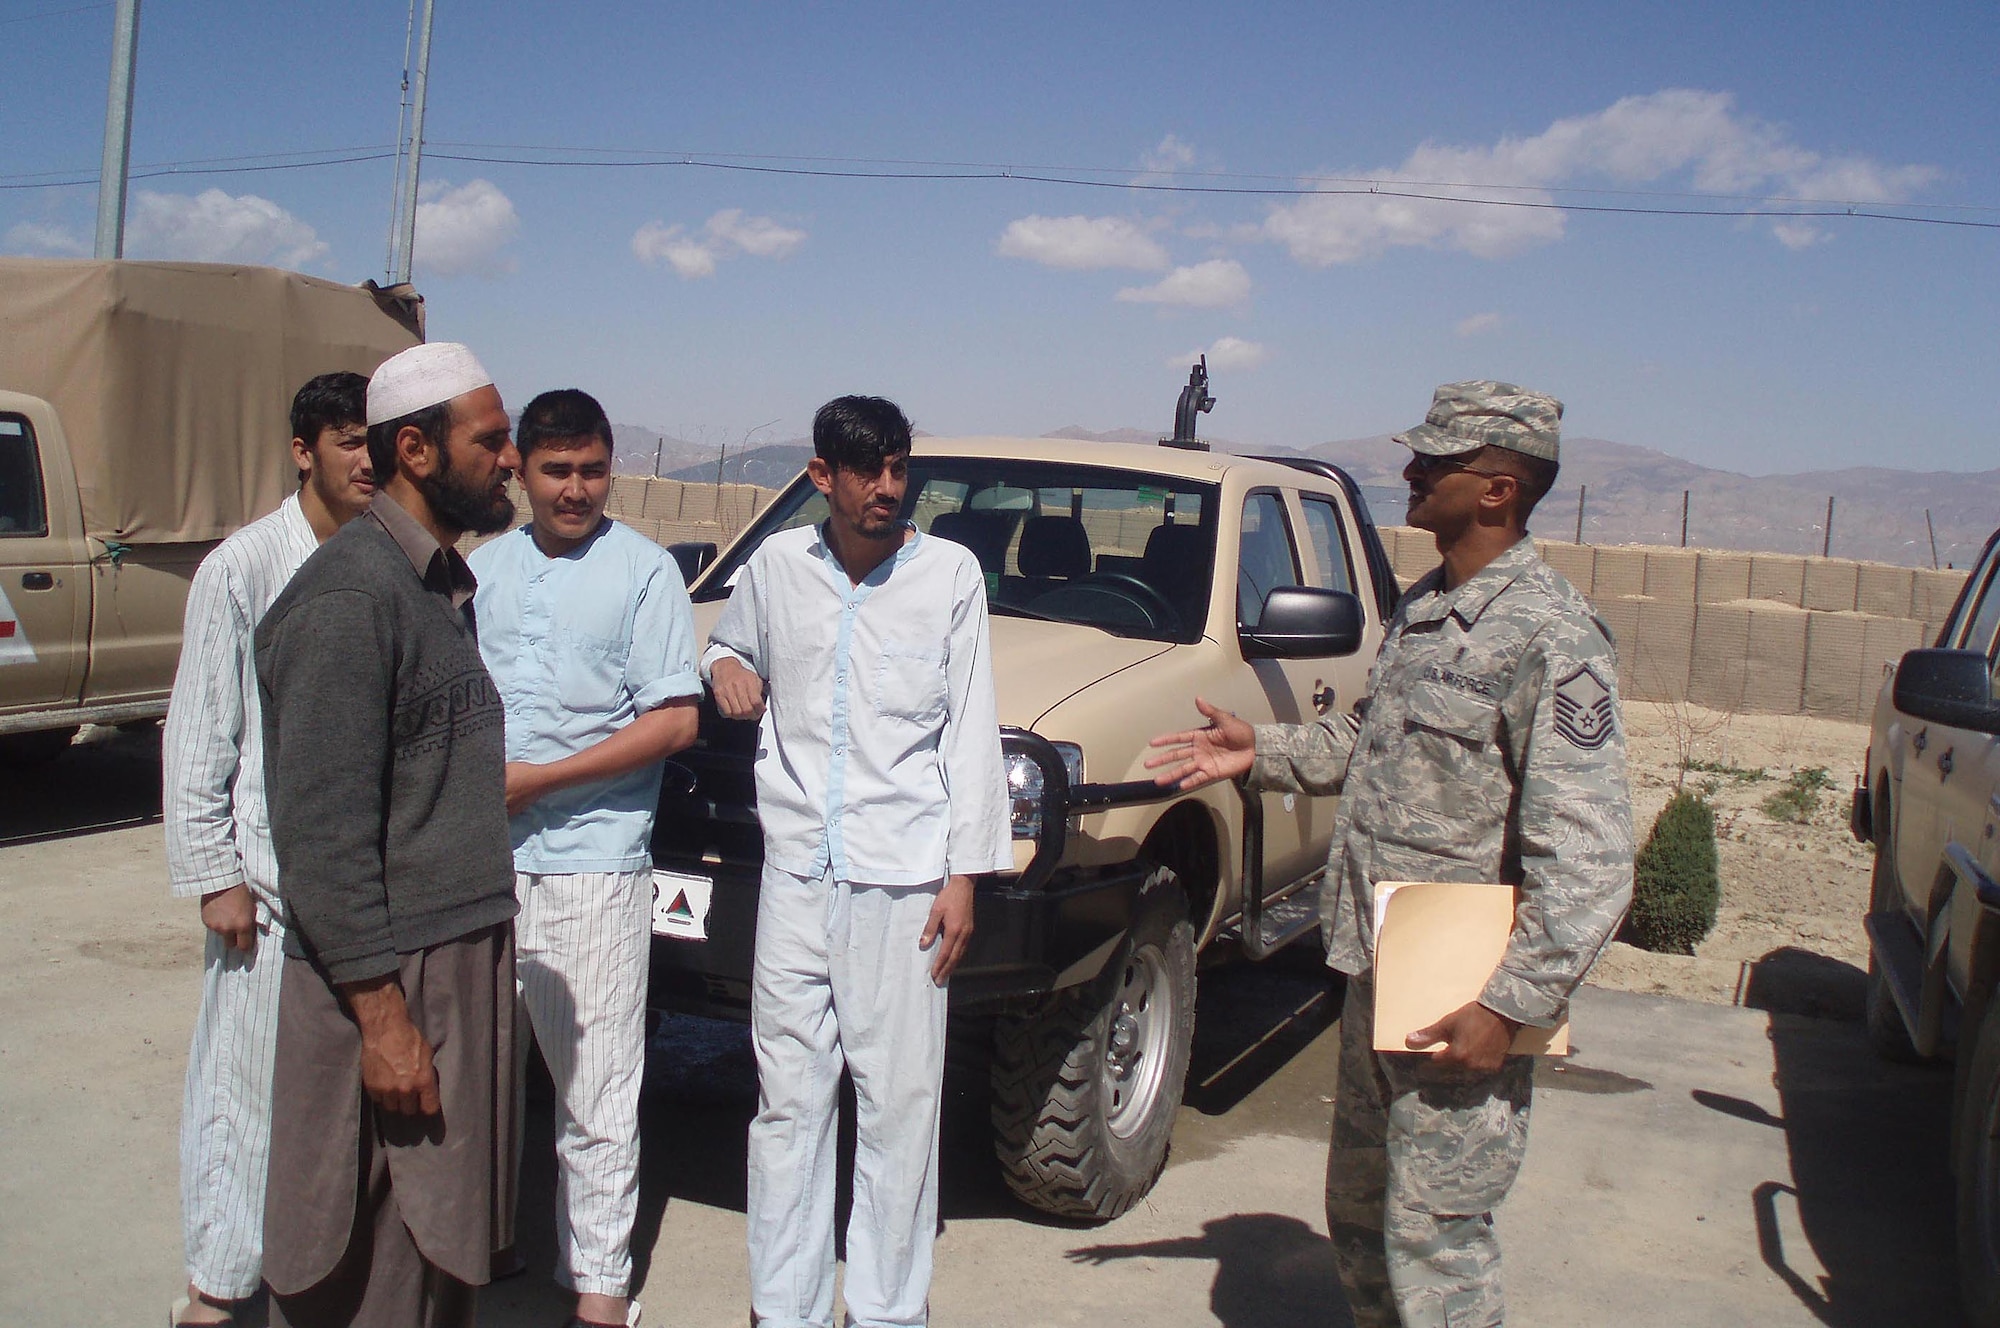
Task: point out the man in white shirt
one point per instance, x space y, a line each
862 647
219 845
588 633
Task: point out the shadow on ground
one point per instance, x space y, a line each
1272 1271
701 1092
106 780
1883 1232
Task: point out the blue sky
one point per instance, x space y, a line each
710 302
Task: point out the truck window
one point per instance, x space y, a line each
1264 558
1985 617
1323 528
1968 598
23 510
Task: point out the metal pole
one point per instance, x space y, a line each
1684 517
1933 534
1581 490
117 132
1826 544
408 207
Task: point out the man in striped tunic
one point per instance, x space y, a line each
587 631
219 845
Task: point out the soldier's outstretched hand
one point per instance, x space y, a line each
1225 748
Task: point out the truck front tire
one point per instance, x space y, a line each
1085 1087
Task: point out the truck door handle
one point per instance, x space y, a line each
38 581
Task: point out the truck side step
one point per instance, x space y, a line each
1899 951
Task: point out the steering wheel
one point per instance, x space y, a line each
1161 615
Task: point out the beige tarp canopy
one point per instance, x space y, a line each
174 381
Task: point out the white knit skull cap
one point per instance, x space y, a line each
426 375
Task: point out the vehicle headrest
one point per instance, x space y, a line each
1054 546
985 533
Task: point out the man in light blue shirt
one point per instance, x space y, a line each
862 647
587 631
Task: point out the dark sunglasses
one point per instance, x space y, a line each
1428 465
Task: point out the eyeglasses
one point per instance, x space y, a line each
1428 465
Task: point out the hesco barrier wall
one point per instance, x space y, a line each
1734 631
1770 632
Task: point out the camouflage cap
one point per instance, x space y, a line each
1465 417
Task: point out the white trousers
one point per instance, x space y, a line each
839 977
581 946
226 1112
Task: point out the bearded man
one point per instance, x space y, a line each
391 1173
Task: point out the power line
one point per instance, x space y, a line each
53 13
1299 182
1327 187
206 166
1262 191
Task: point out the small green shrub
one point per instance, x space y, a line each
1676 881
1799 798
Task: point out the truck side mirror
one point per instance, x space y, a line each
1304 622
1950 687
693 558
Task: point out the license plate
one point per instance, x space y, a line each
680 904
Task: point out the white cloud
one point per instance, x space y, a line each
656 242
1210 285
1225 353
461 230
1700 136
44 238
214 227
693 256
1170 156
1081 243
1799 234
1478 323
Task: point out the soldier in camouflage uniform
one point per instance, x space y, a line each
1489 748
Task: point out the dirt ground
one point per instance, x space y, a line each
1788 933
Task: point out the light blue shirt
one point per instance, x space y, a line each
879 752
580 646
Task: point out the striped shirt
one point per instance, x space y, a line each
218 828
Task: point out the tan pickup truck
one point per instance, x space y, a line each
144 409
1931 808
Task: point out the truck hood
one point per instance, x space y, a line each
1039 665
1036 665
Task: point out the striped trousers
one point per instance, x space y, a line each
583 941
226 1112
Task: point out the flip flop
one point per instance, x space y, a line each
182 1305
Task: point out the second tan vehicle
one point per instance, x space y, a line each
1123 581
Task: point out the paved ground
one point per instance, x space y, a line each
1692 1165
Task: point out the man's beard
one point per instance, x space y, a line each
459 505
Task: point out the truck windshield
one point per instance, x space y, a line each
1125 552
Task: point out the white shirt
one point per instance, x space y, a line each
218 827
581 645
879 752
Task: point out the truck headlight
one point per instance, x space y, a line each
1026 794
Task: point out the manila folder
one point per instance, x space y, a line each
1436 944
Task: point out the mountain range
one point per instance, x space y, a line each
1631 494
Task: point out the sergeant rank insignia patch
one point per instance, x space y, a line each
1583 710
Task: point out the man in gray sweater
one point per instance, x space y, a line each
391 1143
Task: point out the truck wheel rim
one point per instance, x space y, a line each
1135 1050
